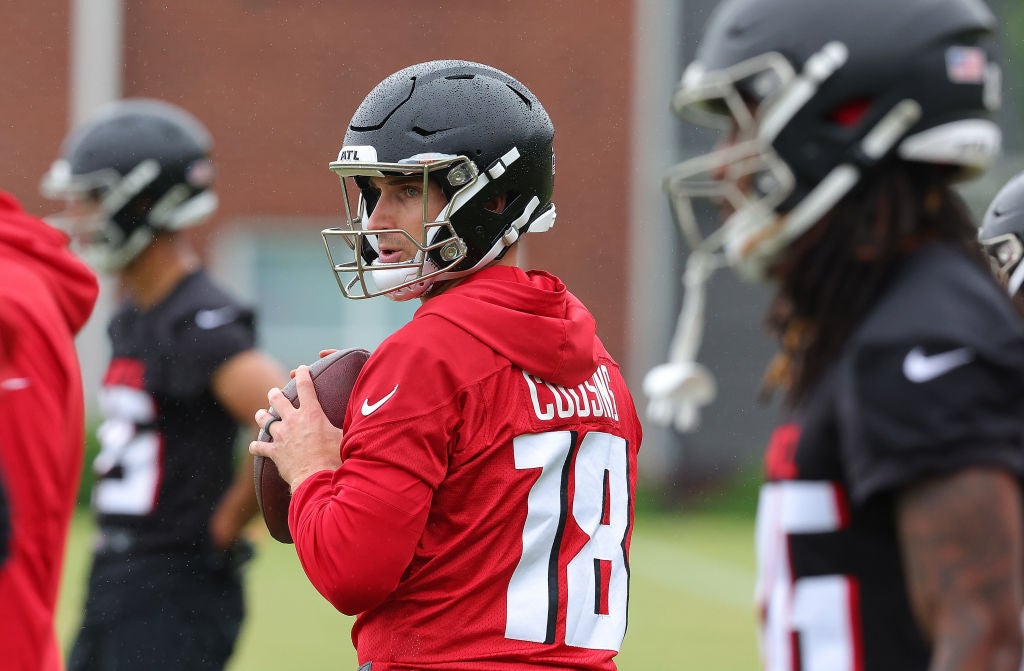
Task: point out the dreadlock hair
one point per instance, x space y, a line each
831 276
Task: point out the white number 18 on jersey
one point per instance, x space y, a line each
597 578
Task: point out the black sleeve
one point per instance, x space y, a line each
201 345
908 411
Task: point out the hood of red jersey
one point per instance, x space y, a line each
28 241
530 318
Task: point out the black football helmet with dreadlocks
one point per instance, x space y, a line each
814 97
473 130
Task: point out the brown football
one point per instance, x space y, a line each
333 378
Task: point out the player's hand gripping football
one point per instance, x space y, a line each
305 441
323 354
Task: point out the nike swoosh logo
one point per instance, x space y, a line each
920 367
15 383
211 319
370 408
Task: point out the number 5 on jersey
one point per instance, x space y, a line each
597 578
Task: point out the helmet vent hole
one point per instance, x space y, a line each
427 133
460 77
500 204
521 96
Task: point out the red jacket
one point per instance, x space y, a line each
46 295
482 516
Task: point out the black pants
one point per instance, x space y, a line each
159 612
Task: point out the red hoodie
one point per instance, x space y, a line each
46 295
482 516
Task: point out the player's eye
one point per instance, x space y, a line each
410 191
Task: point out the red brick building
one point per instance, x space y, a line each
276 82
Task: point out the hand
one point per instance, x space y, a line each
323 353
304 440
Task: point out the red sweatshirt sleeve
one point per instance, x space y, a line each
356 529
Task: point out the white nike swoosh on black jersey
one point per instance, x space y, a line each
920 367
216 317
370 408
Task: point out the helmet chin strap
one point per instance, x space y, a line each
176 210
110 259
677 390
391 280
543 223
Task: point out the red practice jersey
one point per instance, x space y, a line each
481 518
46 295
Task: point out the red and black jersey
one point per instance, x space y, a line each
931 382
167 445
482 516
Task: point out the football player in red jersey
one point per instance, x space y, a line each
164 590
46 296
889 531
476 512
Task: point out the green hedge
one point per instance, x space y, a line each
92 448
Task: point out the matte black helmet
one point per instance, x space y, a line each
819 94
814 97
472 129
1002 232
145 165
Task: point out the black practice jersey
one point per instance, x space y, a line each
167 445
932 381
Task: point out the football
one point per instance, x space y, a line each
333 378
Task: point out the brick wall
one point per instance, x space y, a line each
277 82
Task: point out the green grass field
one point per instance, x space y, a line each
691 588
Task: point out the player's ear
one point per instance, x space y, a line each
497 204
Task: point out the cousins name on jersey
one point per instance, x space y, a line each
594 397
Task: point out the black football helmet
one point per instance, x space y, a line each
816 95
1002 232
473 130
812 97
137 167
